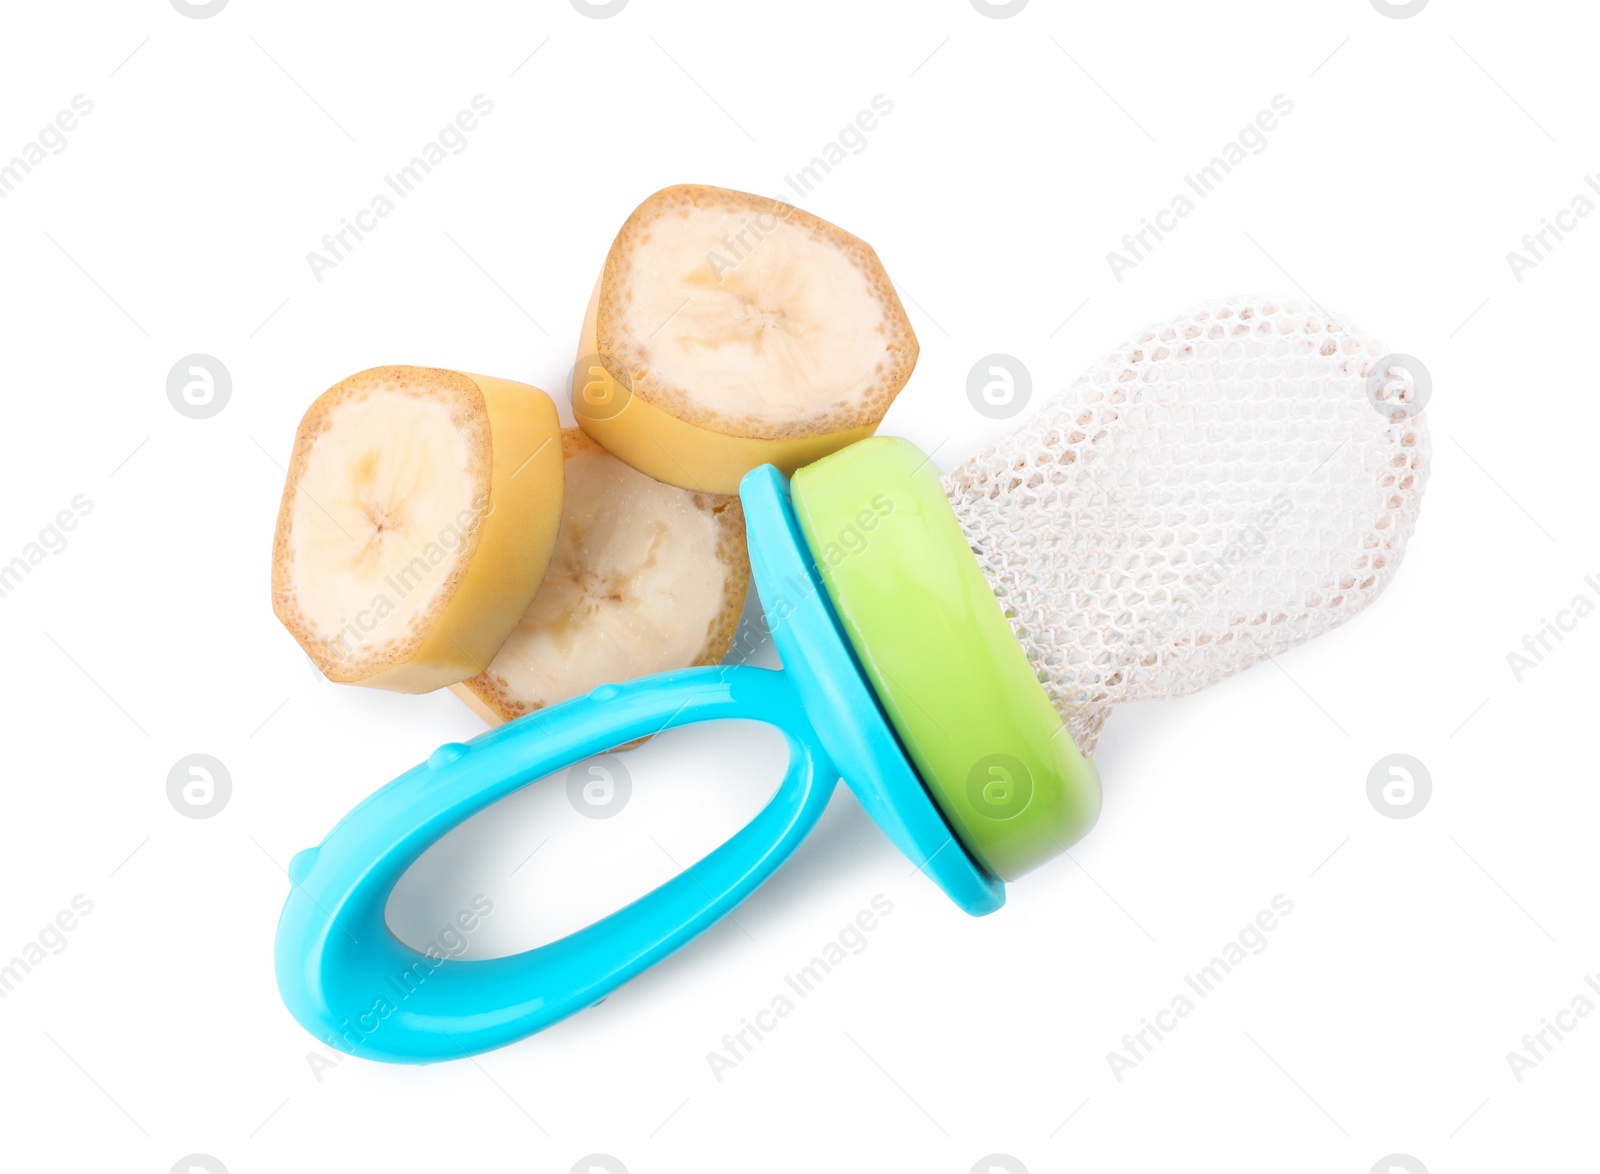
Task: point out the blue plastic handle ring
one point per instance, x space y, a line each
347 978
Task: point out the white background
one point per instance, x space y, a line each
1019 151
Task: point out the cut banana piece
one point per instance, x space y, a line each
418 517
729 331
645 577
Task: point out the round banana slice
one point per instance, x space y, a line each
417 520
728 331
645 577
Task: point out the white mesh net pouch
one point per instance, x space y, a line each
1219 489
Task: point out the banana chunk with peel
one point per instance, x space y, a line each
418 516
728 331
645 577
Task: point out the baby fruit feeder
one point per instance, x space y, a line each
1220 489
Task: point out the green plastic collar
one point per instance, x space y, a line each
950 675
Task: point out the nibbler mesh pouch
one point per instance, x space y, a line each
1219 489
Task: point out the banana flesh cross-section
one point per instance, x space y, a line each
418 517
728 331
645 577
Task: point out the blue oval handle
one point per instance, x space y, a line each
352 983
